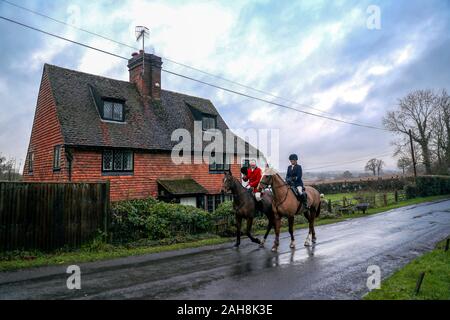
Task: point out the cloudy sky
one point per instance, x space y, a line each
319 54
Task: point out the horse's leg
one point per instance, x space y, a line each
269 227
249 231
316 214
277 234
308 238
291 231
238 231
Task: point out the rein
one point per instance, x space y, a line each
235 196
286 195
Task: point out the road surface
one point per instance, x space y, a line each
335 268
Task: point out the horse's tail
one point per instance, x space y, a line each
318 209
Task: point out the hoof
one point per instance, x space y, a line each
292 245
274 249
307 244
314 240
261 243
236 245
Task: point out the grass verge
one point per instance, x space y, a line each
435 285
100 251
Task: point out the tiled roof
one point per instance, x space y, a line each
147 128
182 186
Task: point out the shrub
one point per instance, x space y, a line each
152 219
225 209
225 213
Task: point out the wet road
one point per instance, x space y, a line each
335 268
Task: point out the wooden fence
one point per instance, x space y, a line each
48 216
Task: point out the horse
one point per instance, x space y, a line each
245 206
286 204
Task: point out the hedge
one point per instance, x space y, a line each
428 186
379 184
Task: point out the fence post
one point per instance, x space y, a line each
385 199
396 196
329 206
419 283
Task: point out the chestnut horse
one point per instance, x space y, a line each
286 204
245 206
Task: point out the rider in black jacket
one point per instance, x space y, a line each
294 178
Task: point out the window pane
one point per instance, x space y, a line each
226 162
212 164
128 160
118 161
107 160
108 110
30 161
118 111
210 203
208 123
56 157
217 200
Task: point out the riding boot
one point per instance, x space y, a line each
305 200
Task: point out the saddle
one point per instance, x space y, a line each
303 198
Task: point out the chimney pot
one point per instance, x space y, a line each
134 54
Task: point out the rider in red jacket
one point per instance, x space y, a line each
253 176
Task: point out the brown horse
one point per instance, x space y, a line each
286 204
245 206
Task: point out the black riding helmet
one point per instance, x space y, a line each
293 157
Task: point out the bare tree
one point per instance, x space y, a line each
347 175
371 165
403 163
415 112
441 134
380 164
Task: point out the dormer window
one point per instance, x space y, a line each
113 110
208 122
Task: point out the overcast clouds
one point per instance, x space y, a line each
318 53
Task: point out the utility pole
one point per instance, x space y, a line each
412 154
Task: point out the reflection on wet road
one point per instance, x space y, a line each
335 268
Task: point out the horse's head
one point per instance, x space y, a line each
266 179
228 181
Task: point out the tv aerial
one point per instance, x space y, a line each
142 33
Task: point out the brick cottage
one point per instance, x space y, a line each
90 128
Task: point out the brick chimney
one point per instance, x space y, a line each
146 74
